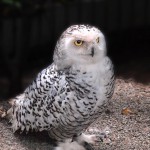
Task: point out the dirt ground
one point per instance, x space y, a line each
126 122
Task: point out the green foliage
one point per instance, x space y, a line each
12 2
64 1
18 3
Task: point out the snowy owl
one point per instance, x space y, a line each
68 95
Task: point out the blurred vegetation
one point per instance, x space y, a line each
16 3
63 1
20 7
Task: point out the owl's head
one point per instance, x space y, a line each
79 45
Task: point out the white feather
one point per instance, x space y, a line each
67 145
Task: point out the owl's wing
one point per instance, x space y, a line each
32 109
47 83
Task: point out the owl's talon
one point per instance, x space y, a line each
91 139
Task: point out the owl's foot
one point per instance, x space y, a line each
100 135
91 139
88 141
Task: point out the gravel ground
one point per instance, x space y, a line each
126 122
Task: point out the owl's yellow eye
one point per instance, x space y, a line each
78 42
97 40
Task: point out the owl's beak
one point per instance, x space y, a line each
92 51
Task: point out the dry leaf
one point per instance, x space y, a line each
2 112
127 111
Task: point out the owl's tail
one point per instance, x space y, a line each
7 113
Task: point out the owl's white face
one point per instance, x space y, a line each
81 44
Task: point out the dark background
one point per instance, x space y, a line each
29 30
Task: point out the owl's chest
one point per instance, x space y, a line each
88 90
